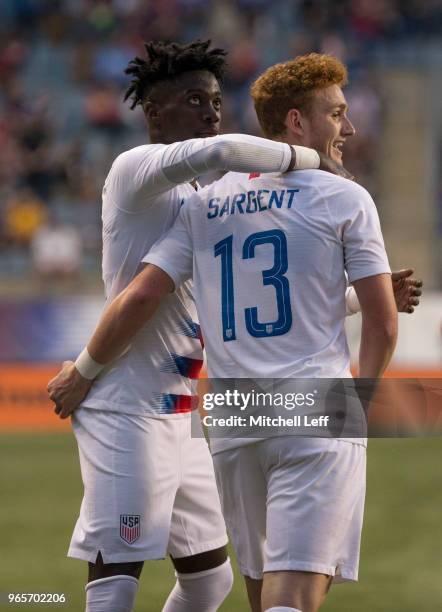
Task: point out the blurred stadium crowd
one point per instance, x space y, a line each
63 120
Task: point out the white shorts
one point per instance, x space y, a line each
294 503
149 489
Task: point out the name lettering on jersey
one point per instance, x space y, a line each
251 202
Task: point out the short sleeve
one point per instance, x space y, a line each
360 232
173 253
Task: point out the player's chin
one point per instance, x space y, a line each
336 155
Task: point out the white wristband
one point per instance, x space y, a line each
88 367
306 159
352 305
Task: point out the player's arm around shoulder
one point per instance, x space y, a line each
121 320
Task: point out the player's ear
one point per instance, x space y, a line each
151 110
294 122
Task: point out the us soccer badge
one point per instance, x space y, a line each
130 527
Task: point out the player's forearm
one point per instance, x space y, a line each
120 322
237 153
378 341
123 318
244 153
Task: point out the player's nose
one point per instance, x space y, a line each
211 114
348 129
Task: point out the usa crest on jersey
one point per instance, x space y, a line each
130 527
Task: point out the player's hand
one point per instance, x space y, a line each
406 290
68 389
329 165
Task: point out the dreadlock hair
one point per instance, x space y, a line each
167 60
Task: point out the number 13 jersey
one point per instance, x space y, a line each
269 256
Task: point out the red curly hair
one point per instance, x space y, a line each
291 85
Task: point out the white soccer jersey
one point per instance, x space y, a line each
269 255
155 375
141 199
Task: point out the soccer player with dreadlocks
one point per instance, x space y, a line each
149 487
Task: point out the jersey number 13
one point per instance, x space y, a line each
274 276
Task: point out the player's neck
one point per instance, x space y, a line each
292 139
156 136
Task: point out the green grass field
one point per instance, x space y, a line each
401 558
